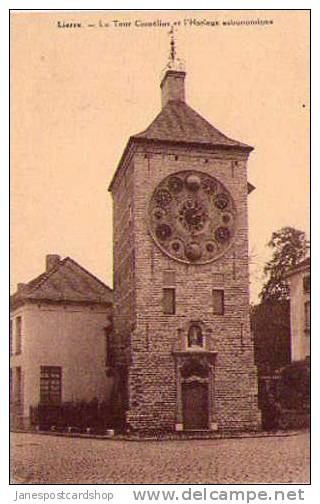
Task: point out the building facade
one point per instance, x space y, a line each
59 324
299 283
182 345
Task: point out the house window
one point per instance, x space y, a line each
18 335
306 284
195 338
218 301
50 384
307 316
169 302
16 385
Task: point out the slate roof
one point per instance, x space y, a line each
177 122
66 281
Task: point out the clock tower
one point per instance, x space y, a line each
182 348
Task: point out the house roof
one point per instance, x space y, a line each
65 281
177 122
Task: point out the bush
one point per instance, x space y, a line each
294 386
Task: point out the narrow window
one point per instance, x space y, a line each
18 335
169 301
218 301
307 316
50 385
306 284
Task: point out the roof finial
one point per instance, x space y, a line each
174 63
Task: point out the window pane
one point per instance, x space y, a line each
218 301
169 301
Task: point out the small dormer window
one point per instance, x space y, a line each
195 338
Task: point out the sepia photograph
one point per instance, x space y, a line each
160 248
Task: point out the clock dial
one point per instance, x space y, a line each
192 217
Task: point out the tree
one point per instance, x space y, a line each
289 248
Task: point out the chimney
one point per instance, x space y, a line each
52 260
172 86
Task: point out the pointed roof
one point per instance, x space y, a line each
66 281
177 122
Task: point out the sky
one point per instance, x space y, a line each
77 94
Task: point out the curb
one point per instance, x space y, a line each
190 437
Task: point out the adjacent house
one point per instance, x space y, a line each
299 281
59 326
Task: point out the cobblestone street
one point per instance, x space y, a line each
52 459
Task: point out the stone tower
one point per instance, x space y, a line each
182 347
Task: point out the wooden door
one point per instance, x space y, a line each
195 405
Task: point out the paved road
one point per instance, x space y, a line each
52 459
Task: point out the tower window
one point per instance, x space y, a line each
169 301
218 301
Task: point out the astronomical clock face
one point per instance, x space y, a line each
192 217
